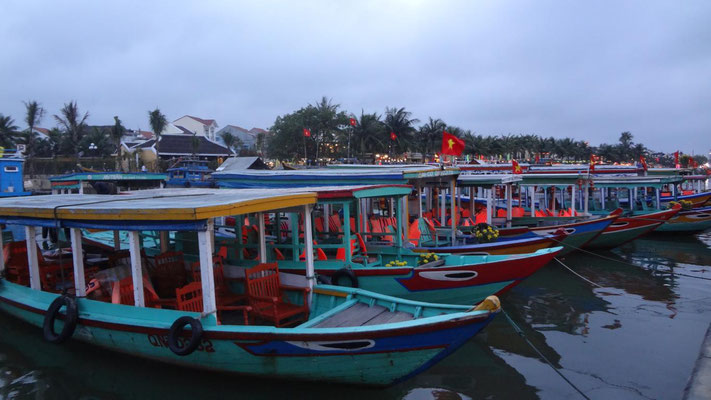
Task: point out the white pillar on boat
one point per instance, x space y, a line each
489 205
419 200
442 206
586 198
326 214
453 210
81 187
263 237
509 204
472 202
573 189
309 251
391 207
207 275
32 260
657 200
78 259
134 247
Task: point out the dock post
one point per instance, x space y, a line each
78 259
207 275
134 246
32 260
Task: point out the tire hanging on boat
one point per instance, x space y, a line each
70 319
183 348
344 273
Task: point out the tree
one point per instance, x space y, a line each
429 135
116 134
8 132
399 122
73 123
368 135
33 116
195 143
231 141
158 122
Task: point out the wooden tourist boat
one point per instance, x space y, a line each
334 334
381 260
688 221
628 228
504 245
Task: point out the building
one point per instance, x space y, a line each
249 140
192 125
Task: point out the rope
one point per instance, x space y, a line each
577 274
540 354
615 260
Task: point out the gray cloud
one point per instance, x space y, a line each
588 70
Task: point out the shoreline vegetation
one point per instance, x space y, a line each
334 134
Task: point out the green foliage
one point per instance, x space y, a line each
73 123
9 133
157 121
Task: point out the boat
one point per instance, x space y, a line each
352 252
190 172
628 228
504 245
317 332
688 221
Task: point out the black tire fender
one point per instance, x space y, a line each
70 319
176 331
344 273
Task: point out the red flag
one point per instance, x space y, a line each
644 162
393 136
593 159
451 144
676 159
307 133
516 167
353 121
538 158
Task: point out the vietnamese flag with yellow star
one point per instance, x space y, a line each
516 168
451 145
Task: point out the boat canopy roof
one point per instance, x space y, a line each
635 181
110 176
330 176
360 192
152 205
488 180
557 180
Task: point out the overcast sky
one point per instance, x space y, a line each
582 69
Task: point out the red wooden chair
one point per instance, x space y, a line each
16 267
189 298
223 295
266 297
122 293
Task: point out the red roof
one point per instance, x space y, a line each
43 130
258 130
207 122
146 134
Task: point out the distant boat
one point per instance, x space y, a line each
190 172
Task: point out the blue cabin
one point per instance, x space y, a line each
11 182
190 173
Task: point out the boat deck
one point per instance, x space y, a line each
361 314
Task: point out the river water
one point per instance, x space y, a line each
636 337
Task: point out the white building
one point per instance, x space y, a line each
199 126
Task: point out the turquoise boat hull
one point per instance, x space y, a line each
370 354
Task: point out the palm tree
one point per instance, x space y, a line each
368 135
8 132
398 121
195 143
116 134
33 116
158 122
429 133
231 141
73 123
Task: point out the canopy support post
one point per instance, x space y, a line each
573 189
32 260
509 204
398 228
134 246
262 238
489 205
453 209
309 252
2 255
658 201
207 276
78 258
419 200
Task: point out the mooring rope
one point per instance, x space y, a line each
540 354
618 261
